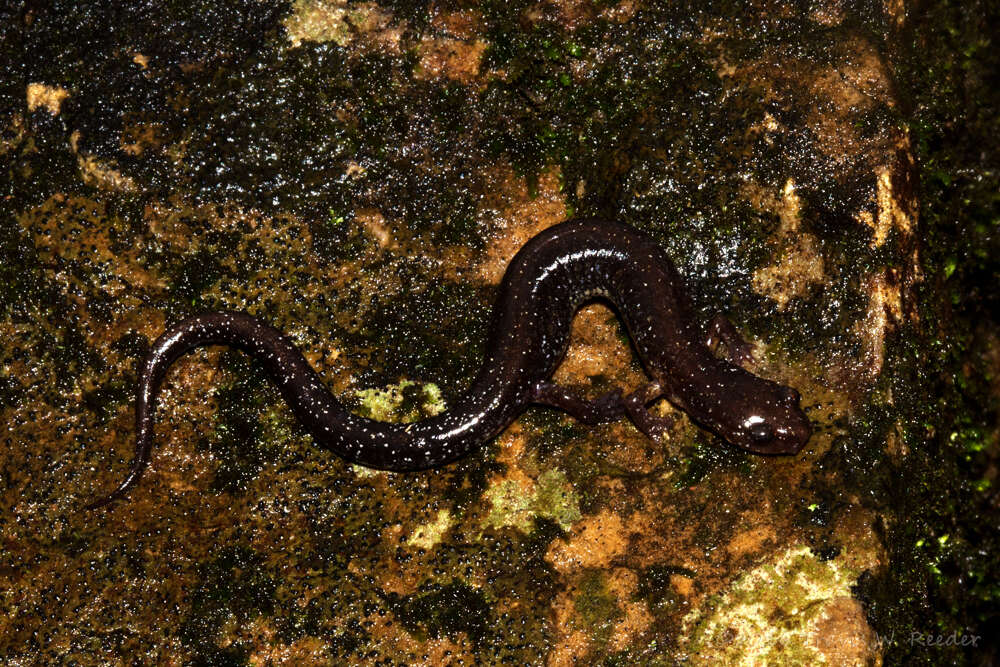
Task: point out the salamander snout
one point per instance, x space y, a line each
786 437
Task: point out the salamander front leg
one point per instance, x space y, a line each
721 330
606 408
635 406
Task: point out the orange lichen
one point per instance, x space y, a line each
594 542
522 215
450 58
40 95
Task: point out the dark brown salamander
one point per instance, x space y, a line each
545 284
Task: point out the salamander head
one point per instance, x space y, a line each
758 415
775 424
771 423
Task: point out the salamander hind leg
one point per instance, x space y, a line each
635 406
606 408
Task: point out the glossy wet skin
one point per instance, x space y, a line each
759 415
545 284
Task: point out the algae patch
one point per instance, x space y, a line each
796 610
597 610
518 505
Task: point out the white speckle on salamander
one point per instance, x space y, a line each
546 281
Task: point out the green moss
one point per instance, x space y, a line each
944 558
551 431
707 456
596 608
232 588
318 21
555 499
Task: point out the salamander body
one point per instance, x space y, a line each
545 284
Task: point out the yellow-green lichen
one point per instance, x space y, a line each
429 534
318 21
405 402
796 610
333 21
551 497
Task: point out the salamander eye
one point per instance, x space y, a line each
761 433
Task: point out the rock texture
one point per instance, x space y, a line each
359 174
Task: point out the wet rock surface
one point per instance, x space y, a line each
359 175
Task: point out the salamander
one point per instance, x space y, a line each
547 281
